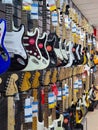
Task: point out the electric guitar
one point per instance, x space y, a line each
57 49
15 48
35 85
10 90
42 41
36 48
4 56
69 52
46 84
24 89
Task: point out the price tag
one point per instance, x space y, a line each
59 96
80 83
7 1
66 90
69 23
73 27
75 85
34 11
35 109
54 18
51 100
28 110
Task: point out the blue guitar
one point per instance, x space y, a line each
4 56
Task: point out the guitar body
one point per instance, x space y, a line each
70 55
63 50
18 55
36 61
51 52
75 53
57 49
81 55
58 123
4 56
40 125
41 44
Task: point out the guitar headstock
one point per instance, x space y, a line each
36 82
11 85
54 76
25 83
61 73
47 77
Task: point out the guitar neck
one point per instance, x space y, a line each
4 114
35 85
9 16
46 110
44 15
24 19
11 118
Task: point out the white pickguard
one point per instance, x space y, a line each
78 53
58 51
39 64
40 125
45 62
69 54
56 123
13 42
64 51
52 124
84 102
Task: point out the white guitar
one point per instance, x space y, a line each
63 50
55 125
69 52
35 47
57 50
58 123
13 43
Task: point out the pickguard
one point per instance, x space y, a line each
41 44
37 60
70 55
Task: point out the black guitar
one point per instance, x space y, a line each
57 49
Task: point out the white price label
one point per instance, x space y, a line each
28 110
59 96
34 11
35 109
7 1
54 18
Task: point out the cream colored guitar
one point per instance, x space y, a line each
11 90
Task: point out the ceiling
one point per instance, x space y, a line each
89 8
